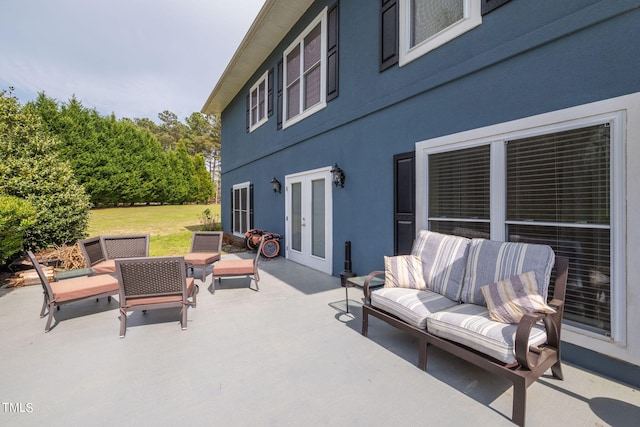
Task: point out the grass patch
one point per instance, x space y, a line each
169 227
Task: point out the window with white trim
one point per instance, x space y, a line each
558 184
241 208
304 72
428 24
258 102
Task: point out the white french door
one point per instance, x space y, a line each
309 219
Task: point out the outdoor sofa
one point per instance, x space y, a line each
508 328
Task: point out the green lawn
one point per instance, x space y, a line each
169 227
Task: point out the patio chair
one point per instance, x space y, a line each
206 247
238 267
154 283
71 290
95 257
125 246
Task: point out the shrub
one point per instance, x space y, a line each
32 169
210 222
16 215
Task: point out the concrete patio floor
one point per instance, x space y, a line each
288 355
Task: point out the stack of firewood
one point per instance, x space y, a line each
62 257
30 277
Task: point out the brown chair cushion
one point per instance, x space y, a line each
83 287
229 267
201 258
105 267
161 299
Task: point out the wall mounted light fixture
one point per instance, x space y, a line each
275 184
337 176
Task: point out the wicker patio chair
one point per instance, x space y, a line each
125 246
95 257
71 290
238 267
154 283
206 247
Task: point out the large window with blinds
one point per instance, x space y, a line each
304 72
544 186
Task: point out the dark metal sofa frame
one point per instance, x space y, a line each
531 362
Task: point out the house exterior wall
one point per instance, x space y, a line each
525 59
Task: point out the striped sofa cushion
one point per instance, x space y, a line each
443 261
411 305
490 261
471 325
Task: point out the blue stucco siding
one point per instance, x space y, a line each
526 58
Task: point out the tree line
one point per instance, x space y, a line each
61 159
131 161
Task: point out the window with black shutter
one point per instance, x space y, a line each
388 33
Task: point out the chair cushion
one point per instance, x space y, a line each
471 325
491 261
105 267
443 261
508 300
411 305
160 299
83 287
404 271
202 258
230 267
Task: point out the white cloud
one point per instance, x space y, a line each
135 58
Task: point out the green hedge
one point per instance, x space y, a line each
16 216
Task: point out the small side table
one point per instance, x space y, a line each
358 281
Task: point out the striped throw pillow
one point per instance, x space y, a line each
404 271
508 300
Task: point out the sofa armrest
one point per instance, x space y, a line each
528 357
366 288
523 352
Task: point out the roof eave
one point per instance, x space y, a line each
272 24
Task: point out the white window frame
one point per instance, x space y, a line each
322 20
264 79
471 19
617 112
235 208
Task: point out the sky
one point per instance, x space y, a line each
132 58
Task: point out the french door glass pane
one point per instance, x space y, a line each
429 17
318 218
296 216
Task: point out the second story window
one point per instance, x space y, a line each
428 24
305 72
258 102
